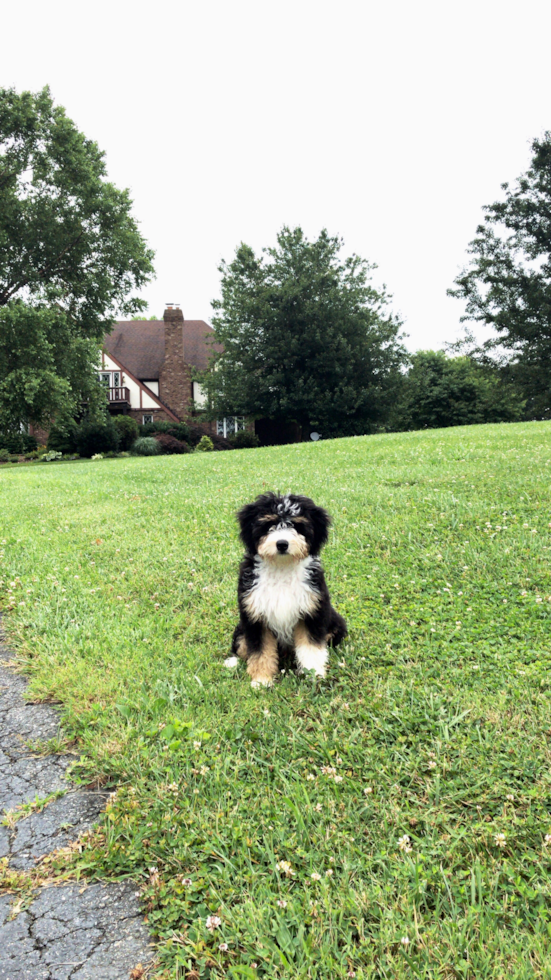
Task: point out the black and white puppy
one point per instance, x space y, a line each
284 604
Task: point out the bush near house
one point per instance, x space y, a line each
128 430
205 445
18 442
93 437
244 440
171 445
146 446
62 440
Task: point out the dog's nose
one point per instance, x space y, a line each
282 546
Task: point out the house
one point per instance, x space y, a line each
147 368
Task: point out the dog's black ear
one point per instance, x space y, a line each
321 522
245 519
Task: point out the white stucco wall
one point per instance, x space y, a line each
139 398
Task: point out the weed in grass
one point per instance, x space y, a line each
406 797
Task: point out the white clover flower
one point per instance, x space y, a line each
500 840
368 790
310 777
315 876
282 903
329 872
510 797
431 764
196 745
404 941
212 922
547 840
404 843
187 882
338 779
223 947
285 868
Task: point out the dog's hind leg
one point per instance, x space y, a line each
336 631
239 645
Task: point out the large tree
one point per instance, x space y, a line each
306 338
507 285
71 256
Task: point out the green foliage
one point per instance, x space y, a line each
17 442
4 455
51 456
306 338
433 715
46 366
128 430
93 436
205 445
180 431
150 428
145 446
244 440
68 235
71 254
508 283
170 445
440 391
63 439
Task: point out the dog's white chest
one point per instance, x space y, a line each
281 596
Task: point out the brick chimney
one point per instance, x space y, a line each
175 374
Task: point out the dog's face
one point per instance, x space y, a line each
283 528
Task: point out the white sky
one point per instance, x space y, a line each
389 123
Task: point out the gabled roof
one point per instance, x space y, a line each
140 345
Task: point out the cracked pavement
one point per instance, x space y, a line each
93 932
76 931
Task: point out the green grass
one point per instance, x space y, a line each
437 717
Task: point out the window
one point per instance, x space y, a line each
147 419
226 427
198 395
110 379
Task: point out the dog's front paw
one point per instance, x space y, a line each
262 682
311 658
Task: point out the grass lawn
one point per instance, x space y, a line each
387 822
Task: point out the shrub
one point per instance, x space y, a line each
4 455
128 430
96 437
50 456
151 428
146 446
170 445
18 442
244 440
179 431
97 456
205 445
62 440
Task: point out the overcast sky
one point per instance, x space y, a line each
388 123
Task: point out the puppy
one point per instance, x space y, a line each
284 604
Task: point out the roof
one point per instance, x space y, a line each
140 345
